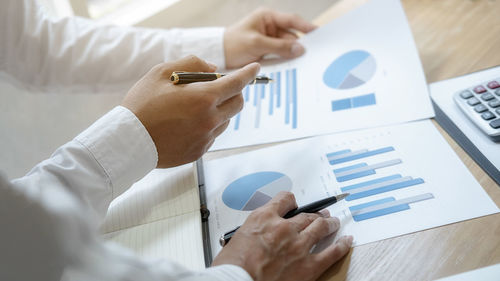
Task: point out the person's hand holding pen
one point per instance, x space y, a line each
264 32
270 247
184 120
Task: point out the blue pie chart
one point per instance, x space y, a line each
249 192
350 70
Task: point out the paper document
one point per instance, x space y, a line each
353 75
401 179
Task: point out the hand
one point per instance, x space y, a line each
269 247
263 32
184 120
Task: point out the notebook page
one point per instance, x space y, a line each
161 194
176 238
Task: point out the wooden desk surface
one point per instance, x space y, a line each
454 37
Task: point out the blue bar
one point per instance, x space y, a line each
247 93
383 189
364 100
294 98
278 89
341 104
287 98
262 90
255 95
362 155
271 95
371 203
356 175
338 153
237 121
340 170
366 183
382 212
257 112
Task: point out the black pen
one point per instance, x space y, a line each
182 77
309 208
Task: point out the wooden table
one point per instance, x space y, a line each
454 37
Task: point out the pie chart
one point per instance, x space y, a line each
249 192
350 70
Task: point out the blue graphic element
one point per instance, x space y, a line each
239 192
372 203
370 182
383 189
355 175
294 98
360 155
381 212
348 168
350 70
338 153
354 102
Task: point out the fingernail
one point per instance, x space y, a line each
297 49
324 213
349 239
212 65
334 224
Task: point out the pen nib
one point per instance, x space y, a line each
342 196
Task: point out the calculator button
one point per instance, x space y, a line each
497 92
479 89
487 97
494 103
473 101
480 108
466 94
495 123
493 85
488 115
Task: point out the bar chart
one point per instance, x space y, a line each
354 167
277 99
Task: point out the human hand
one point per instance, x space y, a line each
269 247
264 32
184 120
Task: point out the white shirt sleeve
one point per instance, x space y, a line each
80 54
49 218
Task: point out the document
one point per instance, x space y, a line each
354 74
401 179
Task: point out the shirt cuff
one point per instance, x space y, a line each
122 146
206 43
228 272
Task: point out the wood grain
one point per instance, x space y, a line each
453 38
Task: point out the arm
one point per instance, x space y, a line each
76 52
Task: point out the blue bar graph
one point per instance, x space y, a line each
270 97
370 182
355 175
346 157
354 102
385 206
384 188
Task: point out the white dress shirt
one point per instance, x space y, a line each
49 218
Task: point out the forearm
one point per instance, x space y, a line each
81 54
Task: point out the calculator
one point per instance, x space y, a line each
481 104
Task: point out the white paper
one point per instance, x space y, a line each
160 194
442 93
447 194
176 238
386 64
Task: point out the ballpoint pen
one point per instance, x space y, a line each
309 208
182 77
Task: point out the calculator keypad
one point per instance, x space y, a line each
481 103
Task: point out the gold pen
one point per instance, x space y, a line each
182 77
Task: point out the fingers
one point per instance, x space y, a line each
282 203
285 47
303 220
231 106
219 130
333 253
291 21
318 229
232 84
189 63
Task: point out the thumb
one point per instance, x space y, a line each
285 47
190 63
